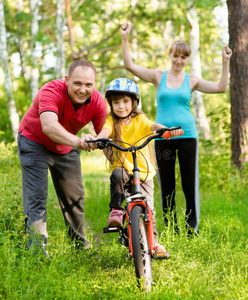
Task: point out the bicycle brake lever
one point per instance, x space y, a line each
102 145
160 130
165 129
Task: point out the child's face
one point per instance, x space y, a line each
122 107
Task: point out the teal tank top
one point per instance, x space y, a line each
173 107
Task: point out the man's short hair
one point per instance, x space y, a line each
80 63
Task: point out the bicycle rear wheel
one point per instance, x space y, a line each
141 253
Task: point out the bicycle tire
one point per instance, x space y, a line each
141 251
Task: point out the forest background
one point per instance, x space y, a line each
44 37
39 39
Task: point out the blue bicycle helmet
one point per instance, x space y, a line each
125 86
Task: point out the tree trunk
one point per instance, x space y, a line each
197 101
238 24
134 45
69 25
34 63
19 9
14 118
60 39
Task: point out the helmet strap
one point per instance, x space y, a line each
123 117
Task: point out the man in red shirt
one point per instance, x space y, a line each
47 140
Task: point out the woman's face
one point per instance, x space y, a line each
178 60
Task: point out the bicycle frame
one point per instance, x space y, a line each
142 200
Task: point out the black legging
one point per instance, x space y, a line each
187 152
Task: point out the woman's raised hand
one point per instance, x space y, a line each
126 29
227 52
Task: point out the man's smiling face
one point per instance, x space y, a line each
80 84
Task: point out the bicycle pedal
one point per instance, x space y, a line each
165 255
111 229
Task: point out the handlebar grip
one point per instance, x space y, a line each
167 134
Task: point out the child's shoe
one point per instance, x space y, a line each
160 251
115 218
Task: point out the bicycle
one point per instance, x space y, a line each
137 230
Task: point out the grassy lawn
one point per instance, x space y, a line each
214 266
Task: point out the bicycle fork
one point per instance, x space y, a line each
131 203
138 199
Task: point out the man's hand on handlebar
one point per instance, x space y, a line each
81 144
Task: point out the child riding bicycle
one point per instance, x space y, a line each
126 123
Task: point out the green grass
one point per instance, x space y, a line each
213 266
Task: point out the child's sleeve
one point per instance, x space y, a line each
147 124
109 124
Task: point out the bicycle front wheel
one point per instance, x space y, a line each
141 252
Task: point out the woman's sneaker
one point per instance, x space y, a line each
160 251
115 218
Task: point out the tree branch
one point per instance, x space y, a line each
82 55
103 40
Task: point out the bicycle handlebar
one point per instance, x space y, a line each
167 134
160 133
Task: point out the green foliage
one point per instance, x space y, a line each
5 126
10 192
96 37
213 266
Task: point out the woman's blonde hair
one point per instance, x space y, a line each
180 47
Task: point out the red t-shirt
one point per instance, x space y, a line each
53 97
